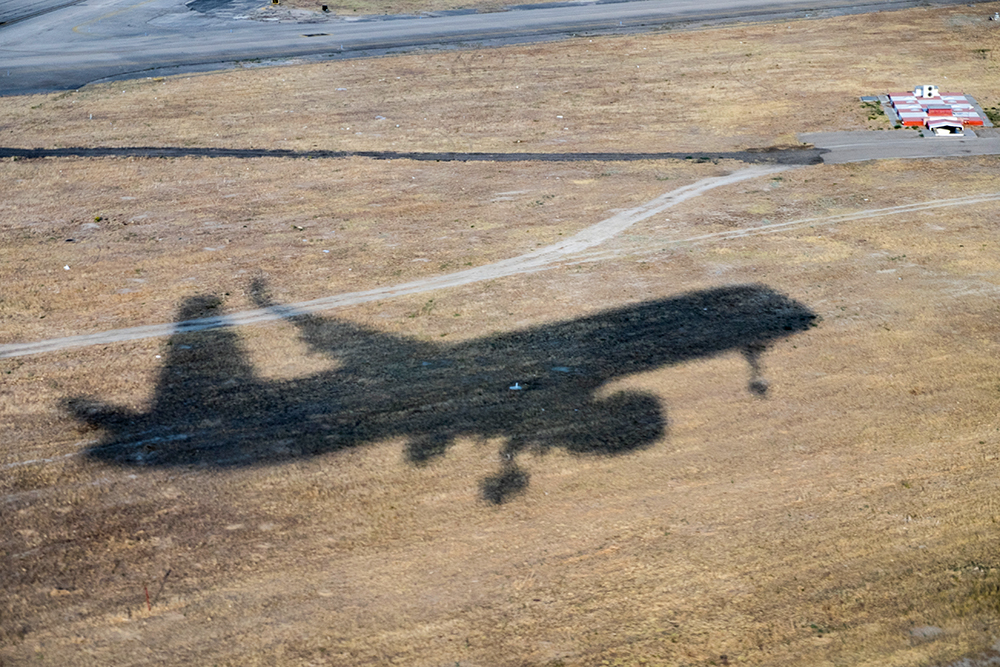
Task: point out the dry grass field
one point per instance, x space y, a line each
741 87
846 517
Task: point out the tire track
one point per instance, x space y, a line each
23 11
729 234
833 219
536 260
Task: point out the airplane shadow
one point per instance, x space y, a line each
533 389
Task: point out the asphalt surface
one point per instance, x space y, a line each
20 10
71 46
827 147
841 147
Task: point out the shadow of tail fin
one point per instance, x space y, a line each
204 372
351 344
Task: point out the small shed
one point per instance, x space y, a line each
945 126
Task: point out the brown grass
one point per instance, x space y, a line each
169 228
817 527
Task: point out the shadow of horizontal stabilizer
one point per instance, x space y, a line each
532 389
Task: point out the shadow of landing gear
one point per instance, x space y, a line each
210 407
752 353
509 482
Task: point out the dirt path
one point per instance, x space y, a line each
533 261
537 260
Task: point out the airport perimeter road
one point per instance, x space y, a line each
842 147
100 39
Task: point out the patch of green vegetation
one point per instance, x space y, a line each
819 629
874 109
980 591
993 113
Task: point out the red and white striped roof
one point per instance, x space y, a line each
913 110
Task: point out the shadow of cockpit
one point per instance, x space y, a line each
533 389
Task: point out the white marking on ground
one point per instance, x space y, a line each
18 464
77 446
537 260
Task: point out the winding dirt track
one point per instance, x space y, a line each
537 260
533 261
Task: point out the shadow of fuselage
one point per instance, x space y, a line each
533 389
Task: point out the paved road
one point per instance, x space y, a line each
19 10
98 39
841 147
